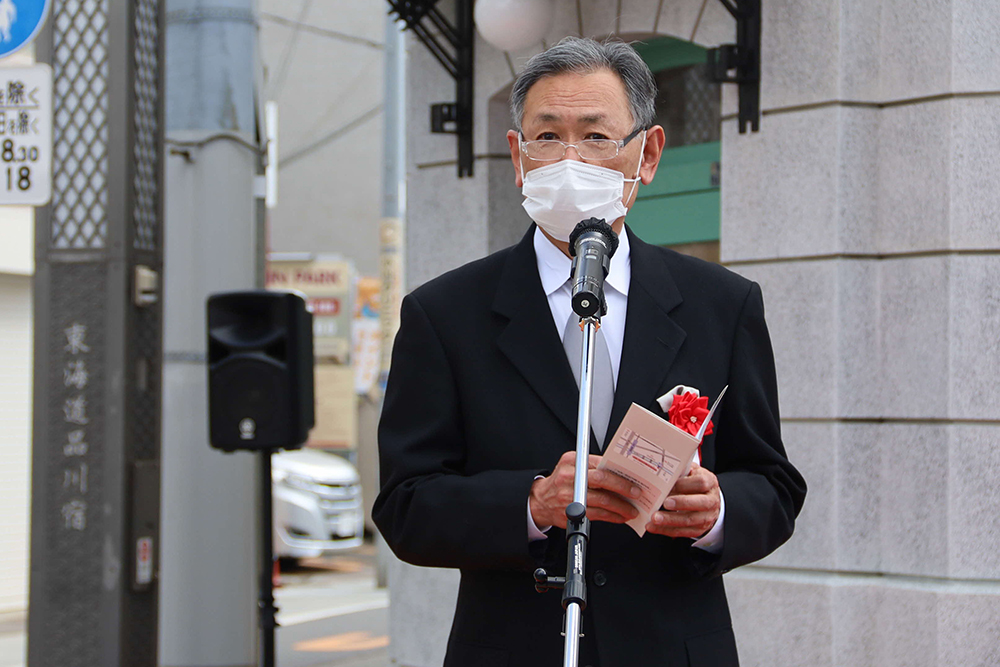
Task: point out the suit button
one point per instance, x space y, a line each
600 578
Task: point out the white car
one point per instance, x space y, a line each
317 504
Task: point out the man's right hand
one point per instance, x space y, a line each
606 493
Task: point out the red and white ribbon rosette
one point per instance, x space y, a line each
687 409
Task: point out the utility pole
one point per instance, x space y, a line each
208 614
98 325
392 231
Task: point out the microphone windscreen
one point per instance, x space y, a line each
594 225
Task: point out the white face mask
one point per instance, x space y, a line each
560 195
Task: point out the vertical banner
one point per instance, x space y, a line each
391 274
367 334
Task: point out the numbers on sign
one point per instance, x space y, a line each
18 177
22 180
14 153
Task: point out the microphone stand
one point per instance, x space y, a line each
592 244
574 598
574 584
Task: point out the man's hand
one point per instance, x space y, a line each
606 493
692 508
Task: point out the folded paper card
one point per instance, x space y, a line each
653 454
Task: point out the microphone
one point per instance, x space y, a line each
592 244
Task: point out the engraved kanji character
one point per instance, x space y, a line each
75 374
76 478
75 336
75 514
75 410
76 446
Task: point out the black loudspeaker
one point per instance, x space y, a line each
260 371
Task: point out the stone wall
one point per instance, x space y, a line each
867 208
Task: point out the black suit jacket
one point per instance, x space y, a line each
481 399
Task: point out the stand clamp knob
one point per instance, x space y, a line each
544 582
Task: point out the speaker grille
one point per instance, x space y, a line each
250 401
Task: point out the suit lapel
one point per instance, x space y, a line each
652 338
529 339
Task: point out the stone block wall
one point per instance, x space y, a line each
866 208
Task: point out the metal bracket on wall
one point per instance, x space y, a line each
742 58
452 46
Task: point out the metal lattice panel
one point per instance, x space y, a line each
688 105
144 181
702 107
145 399
80 127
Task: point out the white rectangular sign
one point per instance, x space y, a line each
26 135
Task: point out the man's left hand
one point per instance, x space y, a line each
691 509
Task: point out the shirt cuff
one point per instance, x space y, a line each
534 532
712 540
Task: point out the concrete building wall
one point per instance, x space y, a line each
15 435
867 209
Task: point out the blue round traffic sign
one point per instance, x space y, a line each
20 21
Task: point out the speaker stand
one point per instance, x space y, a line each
265 604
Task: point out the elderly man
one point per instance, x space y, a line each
477 431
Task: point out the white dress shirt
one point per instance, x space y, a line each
554 272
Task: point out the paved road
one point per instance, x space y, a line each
341 641
330 613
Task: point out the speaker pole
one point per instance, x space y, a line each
266 608
261 398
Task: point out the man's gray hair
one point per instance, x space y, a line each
582 56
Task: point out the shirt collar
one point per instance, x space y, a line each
554 266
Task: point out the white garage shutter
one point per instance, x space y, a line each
15 438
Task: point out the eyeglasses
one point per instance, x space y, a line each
548 150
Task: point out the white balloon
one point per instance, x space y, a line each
511 25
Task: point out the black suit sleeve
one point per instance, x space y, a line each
430 511
763 491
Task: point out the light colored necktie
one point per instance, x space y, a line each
604 387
